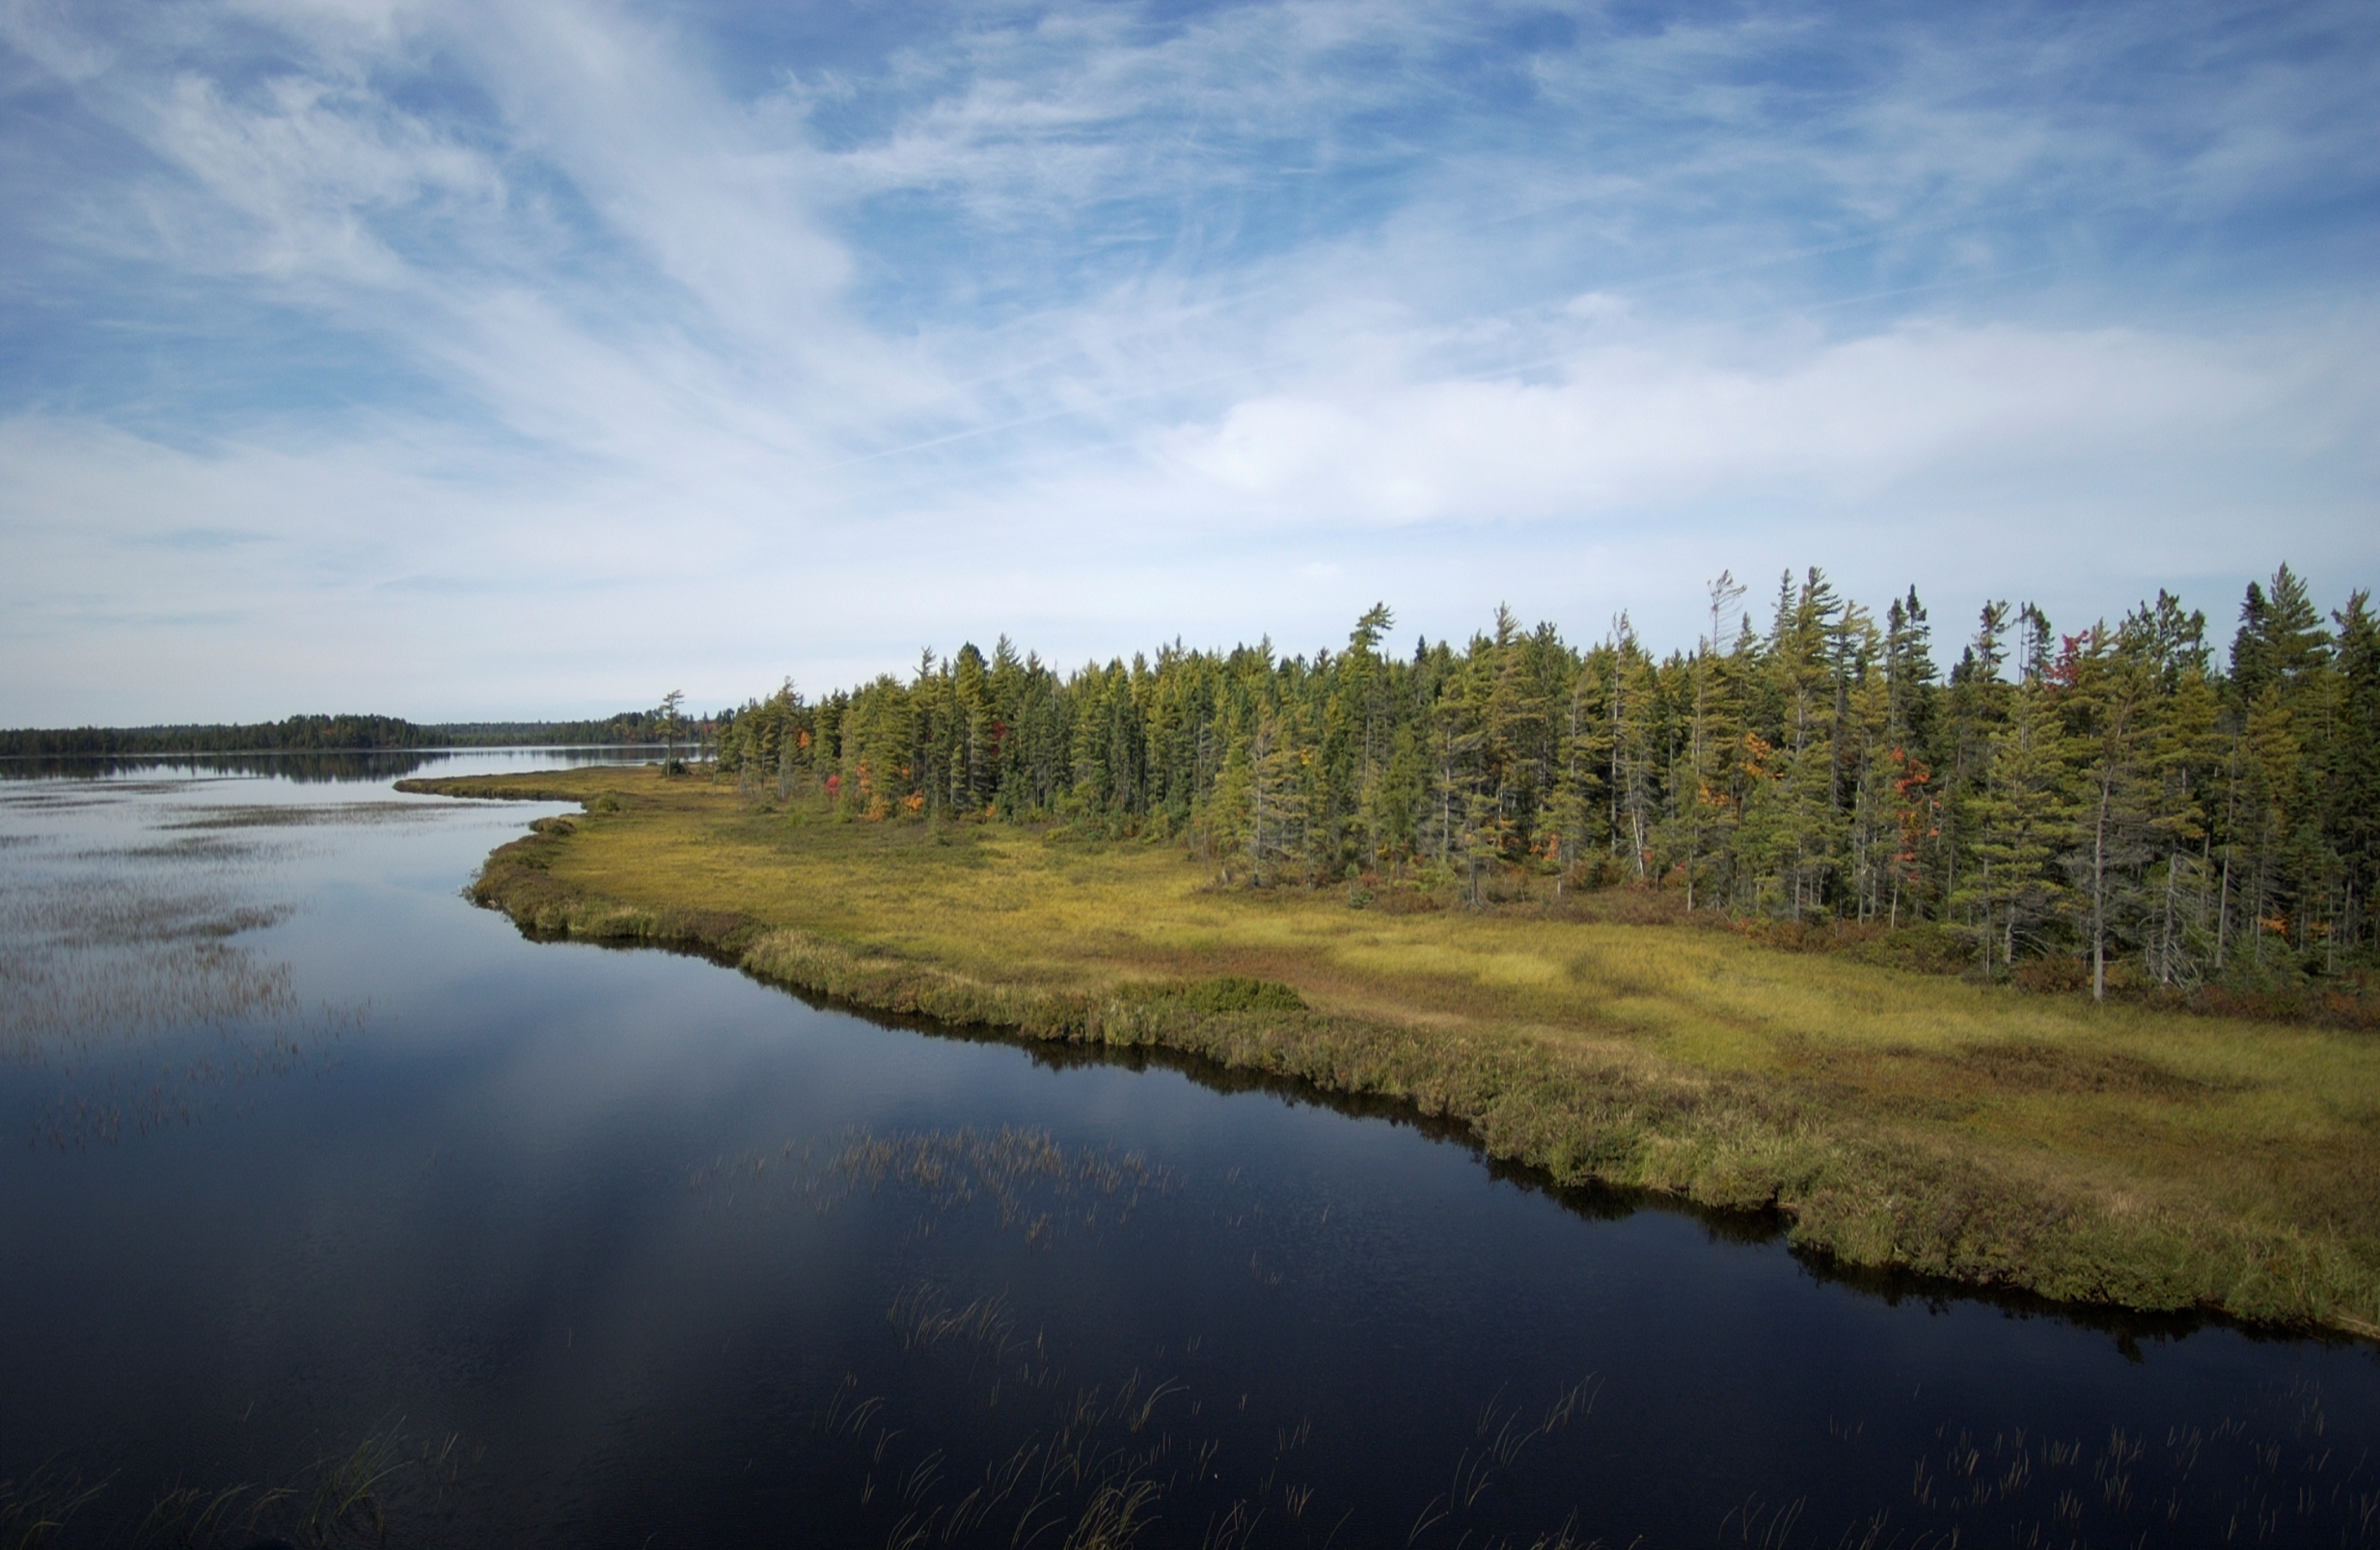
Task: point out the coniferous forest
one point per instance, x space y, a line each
342 734
2124 798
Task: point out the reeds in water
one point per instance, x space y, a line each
381 1490
124 973
37 1506
1030 1182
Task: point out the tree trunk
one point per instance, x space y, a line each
2098 891
2164 930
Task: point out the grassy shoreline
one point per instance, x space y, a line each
2105 1155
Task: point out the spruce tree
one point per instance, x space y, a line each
2351 785
2023 819
2108 691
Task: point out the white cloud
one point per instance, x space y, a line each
1657 421
1092 329
308 163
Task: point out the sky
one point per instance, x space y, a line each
502 359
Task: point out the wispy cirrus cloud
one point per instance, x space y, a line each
1100 323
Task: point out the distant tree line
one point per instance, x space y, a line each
324 734
2114 794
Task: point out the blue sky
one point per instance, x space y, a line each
462 360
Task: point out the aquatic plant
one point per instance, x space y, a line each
124 971
38 1505
376 1488
188 1515
1032 1184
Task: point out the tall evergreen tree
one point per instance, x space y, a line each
2023 820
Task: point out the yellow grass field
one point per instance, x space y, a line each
2111 1154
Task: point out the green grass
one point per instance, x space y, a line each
2112 1153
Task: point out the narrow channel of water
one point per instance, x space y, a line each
313 1173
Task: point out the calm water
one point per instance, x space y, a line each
304 1160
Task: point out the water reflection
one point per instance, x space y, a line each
1124 1442
574 1247
128 975
303 767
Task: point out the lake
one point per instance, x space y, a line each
320 1182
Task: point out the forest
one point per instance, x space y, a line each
2116 797
342 733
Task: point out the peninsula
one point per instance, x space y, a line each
2050 973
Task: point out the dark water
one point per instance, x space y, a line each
311 1174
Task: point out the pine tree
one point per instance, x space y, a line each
1512 750
1635 762
1584 753
1874 828
2269 756
1974 707
1280 765
1363 711
2184 756
1908 670
2279 640
2107 692
2351 784
1224 815
788 744
1807 667
1702 791
2022 820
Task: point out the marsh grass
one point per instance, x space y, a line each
1499 1442
1143 1445
382 1488
192 1516
300 815
1101 1465
922 1316
349 1495
38 1506
127 973
1029 1183
1891 1117
69 999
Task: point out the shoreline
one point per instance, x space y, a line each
1864 1192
